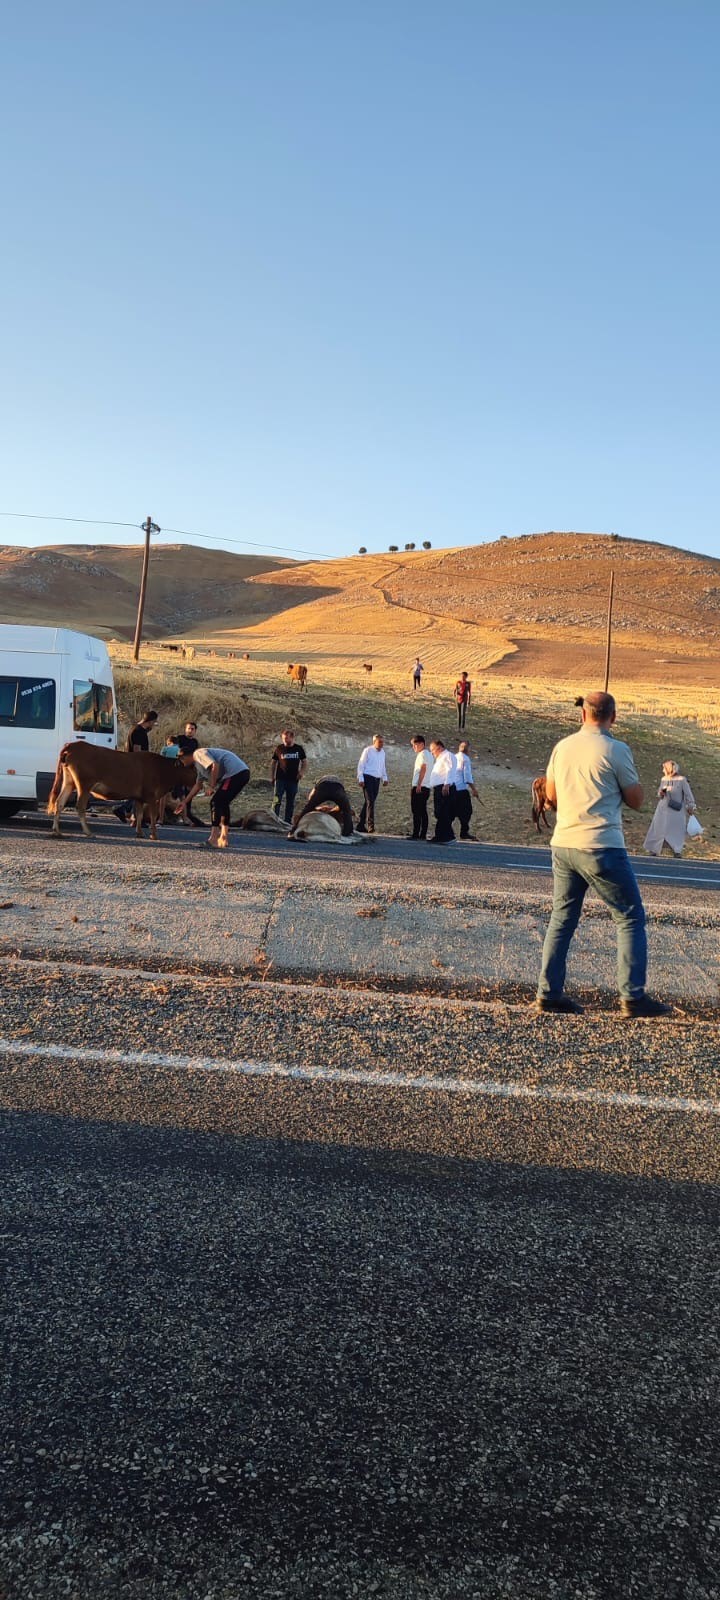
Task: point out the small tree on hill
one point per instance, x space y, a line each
409 547
426 544
393 549
363 550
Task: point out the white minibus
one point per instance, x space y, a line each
55 685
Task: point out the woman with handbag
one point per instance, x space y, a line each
675 803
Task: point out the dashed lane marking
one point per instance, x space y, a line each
424 1083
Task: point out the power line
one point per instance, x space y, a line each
183 533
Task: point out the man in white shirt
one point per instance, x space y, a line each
442 783
420 788
589 777
224 774
371 773
464 790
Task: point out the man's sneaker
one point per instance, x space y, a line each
559 1002
644 1006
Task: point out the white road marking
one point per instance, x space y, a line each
425 1083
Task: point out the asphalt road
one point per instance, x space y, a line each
365 1326
296 1371
383 848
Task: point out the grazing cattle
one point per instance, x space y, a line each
297 674
174 647
264 821
540 803
246 655
113 775
188 652
367 666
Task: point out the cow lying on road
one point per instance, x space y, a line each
113 775
323 823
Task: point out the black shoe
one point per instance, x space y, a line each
643 1005
559 1002
441 841
360 829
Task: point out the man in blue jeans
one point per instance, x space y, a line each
590 774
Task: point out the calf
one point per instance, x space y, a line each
113 775
264 821
297 674
367 666
540 802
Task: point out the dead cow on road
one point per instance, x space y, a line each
113 775
297 674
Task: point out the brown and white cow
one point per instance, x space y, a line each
113 775
297 674
264 821
324 824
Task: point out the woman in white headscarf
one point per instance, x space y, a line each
675 802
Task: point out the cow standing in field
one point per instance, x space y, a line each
297 674
540 803
112 775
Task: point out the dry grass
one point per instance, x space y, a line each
512 728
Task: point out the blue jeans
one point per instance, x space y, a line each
610 874
287 791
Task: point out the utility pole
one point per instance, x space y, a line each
149 527
609 628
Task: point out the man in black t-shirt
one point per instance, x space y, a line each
287 766
137 739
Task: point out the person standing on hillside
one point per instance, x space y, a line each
590 774
420 787
464 789
462 694
371 773
287 766
417 673
442 783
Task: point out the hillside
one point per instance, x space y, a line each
528 609
96 587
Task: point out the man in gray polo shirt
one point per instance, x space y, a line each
590 774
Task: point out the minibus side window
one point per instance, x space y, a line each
83 706
104 708
27 702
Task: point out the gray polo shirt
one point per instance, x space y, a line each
589 770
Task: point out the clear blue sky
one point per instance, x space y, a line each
325 273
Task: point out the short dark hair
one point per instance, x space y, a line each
599 705
149 716
418 738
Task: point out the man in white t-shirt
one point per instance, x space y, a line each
224 775
442 783
420 787
371 773
464 789
589 777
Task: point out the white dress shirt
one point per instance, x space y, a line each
444 770
372 763
464 778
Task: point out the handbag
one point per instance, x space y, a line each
694 827
674 802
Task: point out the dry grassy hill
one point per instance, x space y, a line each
530 609
95 587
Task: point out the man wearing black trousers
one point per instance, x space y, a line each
420 790
371 772
442 783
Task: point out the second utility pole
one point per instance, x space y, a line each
149 527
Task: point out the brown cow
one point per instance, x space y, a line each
113 775
367 665
297 674
540 802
